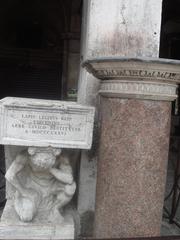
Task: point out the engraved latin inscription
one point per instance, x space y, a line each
43 124
137 73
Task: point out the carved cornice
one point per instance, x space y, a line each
135 74
154 79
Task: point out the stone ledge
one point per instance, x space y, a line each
158 70
8 231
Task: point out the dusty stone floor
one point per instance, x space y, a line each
170 229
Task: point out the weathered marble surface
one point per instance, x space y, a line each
35 122
131 167
116 29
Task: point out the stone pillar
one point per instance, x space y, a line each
135 112
110 28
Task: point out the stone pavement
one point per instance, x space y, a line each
170 229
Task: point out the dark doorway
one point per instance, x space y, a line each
39 42
30 73
31 50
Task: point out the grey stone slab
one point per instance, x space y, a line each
36 231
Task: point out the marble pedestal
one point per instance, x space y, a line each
40 173
135 112
12 228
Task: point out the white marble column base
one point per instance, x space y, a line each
12 228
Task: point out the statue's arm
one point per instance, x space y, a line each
64 173
11 174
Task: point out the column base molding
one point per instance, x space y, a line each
138 89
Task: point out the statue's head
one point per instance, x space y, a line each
42 158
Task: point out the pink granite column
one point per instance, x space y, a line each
135 113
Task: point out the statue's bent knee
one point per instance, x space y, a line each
25 208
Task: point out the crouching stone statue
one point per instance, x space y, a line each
43 180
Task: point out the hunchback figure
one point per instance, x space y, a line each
44 184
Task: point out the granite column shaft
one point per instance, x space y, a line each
134 115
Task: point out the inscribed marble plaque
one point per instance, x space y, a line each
45 123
